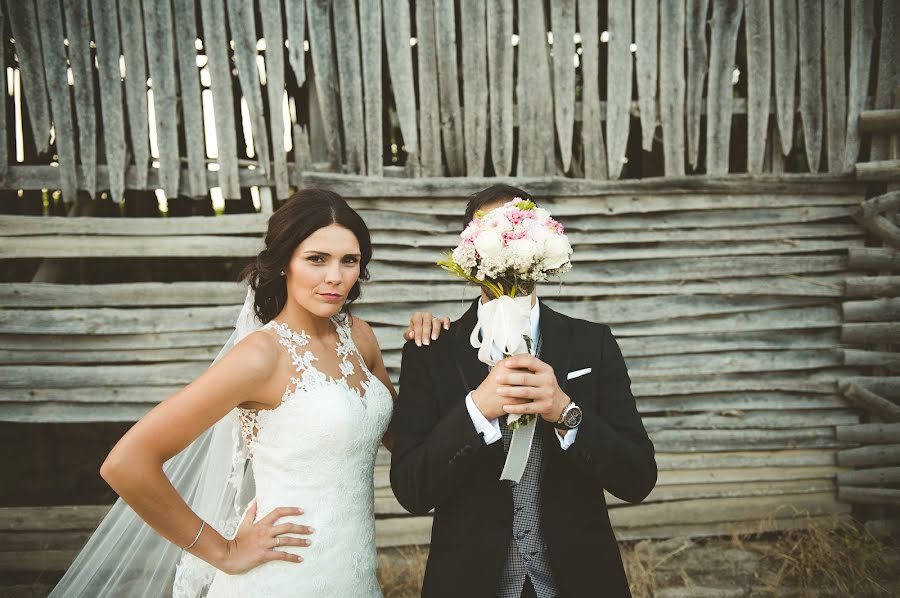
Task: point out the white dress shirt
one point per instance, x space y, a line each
490 430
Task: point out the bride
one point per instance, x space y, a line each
259 474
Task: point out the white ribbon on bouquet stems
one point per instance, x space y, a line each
505 322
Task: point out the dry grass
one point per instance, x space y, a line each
832 558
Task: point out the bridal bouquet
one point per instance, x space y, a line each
507 251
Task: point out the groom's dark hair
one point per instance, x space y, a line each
492 194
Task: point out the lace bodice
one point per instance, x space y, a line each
316 450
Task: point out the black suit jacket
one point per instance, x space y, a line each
440 462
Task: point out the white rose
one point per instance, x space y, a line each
556 252
524 251
538 232
489 244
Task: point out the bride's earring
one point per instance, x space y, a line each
281 273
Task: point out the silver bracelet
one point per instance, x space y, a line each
200 531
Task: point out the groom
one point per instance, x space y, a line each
549 535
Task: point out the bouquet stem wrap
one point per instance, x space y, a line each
505 322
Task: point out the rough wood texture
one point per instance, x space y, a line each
887 71
725 21
322 49
396 38
869 477
618 84
24 24
697 65
592 142
869 433
448 84
868 258
295 20
885 310
562 23
55 67
427 88
474 84
872 286
872 496
862 34
835 86
370 31
158 28
106 39
672 85
879 454
646 28
350 82
499 30
535 109
78 32
191 100
133 48
784 34
759 81
882 170
872 403
242 25
272 29
883 332
810 41
219 64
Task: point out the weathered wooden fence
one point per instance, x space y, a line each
246 93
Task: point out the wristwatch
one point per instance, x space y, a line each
569 418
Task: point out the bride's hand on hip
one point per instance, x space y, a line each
258 542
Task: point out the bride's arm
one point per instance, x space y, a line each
365 341
134 467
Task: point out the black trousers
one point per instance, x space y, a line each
528 589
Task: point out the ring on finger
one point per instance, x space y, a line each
277 541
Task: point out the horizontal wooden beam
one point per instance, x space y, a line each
873 258
872 403
37 177
881 170
870 496
876 454
869 433
883 122
871 333
872 286
878 476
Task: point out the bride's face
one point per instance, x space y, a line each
323 269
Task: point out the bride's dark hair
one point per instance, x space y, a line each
301 215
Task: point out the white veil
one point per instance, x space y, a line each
125 556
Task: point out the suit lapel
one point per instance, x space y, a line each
556 352
472 371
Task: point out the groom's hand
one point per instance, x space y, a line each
533 383
487 399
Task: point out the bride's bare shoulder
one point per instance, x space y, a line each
365 340
258 353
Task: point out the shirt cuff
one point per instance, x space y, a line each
489 430
566 441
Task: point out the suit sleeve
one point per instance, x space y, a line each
432 452
612 445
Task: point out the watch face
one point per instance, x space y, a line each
573 417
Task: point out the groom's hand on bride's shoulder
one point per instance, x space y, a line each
425 327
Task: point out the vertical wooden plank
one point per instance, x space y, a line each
23 22
158 28
448 85
697 60
219 65
295 17
888 54
784 27
475 85
370 34
862 34
562 23
273 32
191 98
759 81
810 36
593 147
726 17
835 87
326 78
396 38
500 83
4 156
132 32
55 71
536 139
429 109
242 24
672 85
618 85
78 32
646 26
106 40
346 27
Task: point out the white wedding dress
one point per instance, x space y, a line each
316 451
